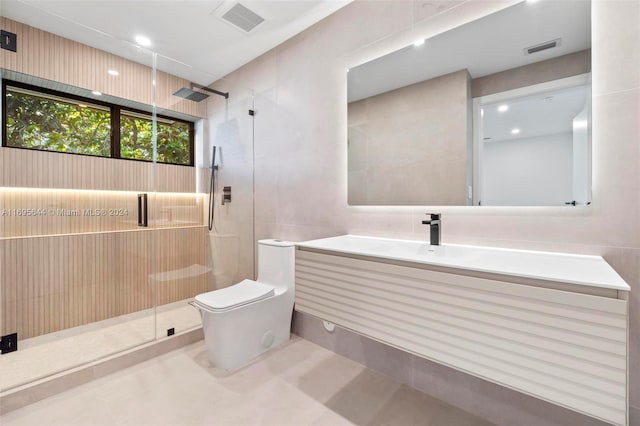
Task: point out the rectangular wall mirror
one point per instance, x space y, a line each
494 112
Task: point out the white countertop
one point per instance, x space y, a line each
578 269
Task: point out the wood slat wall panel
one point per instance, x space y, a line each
62 61
166 210
563 347
55 58
176 253
28 168
58 282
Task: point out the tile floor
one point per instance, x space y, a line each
299 383
43 356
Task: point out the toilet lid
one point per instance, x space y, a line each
244 292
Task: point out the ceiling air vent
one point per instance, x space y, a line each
242 17
542 46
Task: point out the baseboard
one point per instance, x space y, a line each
634 416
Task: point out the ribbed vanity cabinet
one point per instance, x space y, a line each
564 343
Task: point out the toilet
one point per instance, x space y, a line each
246 319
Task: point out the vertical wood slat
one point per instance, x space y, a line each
171 210
58 59
57 282
469 324
42 169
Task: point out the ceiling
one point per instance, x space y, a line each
485 46
541 114
192 39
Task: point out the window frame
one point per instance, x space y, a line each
114 110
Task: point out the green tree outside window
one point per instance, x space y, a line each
54 123
136 139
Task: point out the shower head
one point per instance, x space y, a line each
192 94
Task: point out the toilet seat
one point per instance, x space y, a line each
243 293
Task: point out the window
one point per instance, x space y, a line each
42 119
135 138
56 124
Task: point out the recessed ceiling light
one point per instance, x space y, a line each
143 41
503 108
95 92
418 42
113 73
515 131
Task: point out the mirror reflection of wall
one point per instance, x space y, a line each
412 131
533 145
425 143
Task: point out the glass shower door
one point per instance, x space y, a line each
75 261
179 269
104 199
191 258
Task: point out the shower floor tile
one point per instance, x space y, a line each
52 353
298 383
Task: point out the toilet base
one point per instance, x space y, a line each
234 338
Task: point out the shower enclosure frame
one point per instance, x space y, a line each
59 262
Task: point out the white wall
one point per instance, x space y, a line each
301 150
533 171
582 156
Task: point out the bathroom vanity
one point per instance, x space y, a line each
551 325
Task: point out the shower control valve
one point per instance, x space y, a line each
226 195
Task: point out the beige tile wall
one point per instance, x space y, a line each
538 72
230 127
301 131
408 146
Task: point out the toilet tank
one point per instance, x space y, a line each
276 263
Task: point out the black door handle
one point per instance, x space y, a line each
142 210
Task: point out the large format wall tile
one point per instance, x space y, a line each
615 33
301 134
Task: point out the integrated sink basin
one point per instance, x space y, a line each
549 266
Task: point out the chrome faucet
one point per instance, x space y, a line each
434 228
